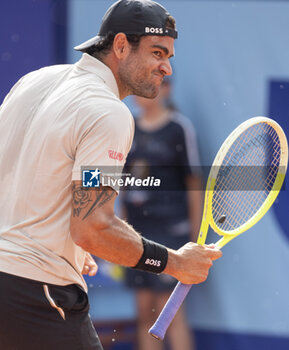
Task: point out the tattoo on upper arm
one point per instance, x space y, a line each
84 199
80 199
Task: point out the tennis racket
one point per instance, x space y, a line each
244 181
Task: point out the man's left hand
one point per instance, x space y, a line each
90 267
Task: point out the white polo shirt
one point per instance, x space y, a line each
52 122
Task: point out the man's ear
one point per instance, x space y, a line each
121 46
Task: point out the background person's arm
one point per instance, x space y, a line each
195 204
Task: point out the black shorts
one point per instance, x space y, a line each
36 315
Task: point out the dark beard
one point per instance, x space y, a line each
136 86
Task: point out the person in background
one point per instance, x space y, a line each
164 147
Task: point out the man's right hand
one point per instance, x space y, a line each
191 263
96 229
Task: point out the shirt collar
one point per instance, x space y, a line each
95 66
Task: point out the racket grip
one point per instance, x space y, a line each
158 330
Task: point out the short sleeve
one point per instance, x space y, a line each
103 141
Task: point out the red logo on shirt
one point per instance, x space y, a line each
115 155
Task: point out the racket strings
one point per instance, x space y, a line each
241 210
241 214
246 176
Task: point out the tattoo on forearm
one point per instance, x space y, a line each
82 199
103 196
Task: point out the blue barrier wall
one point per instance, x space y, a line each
32 35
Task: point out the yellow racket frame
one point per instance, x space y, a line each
207 212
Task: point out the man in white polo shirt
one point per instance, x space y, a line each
53 122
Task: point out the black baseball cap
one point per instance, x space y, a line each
144 17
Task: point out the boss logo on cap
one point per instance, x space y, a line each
154 30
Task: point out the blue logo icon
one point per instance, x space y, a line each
90 178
